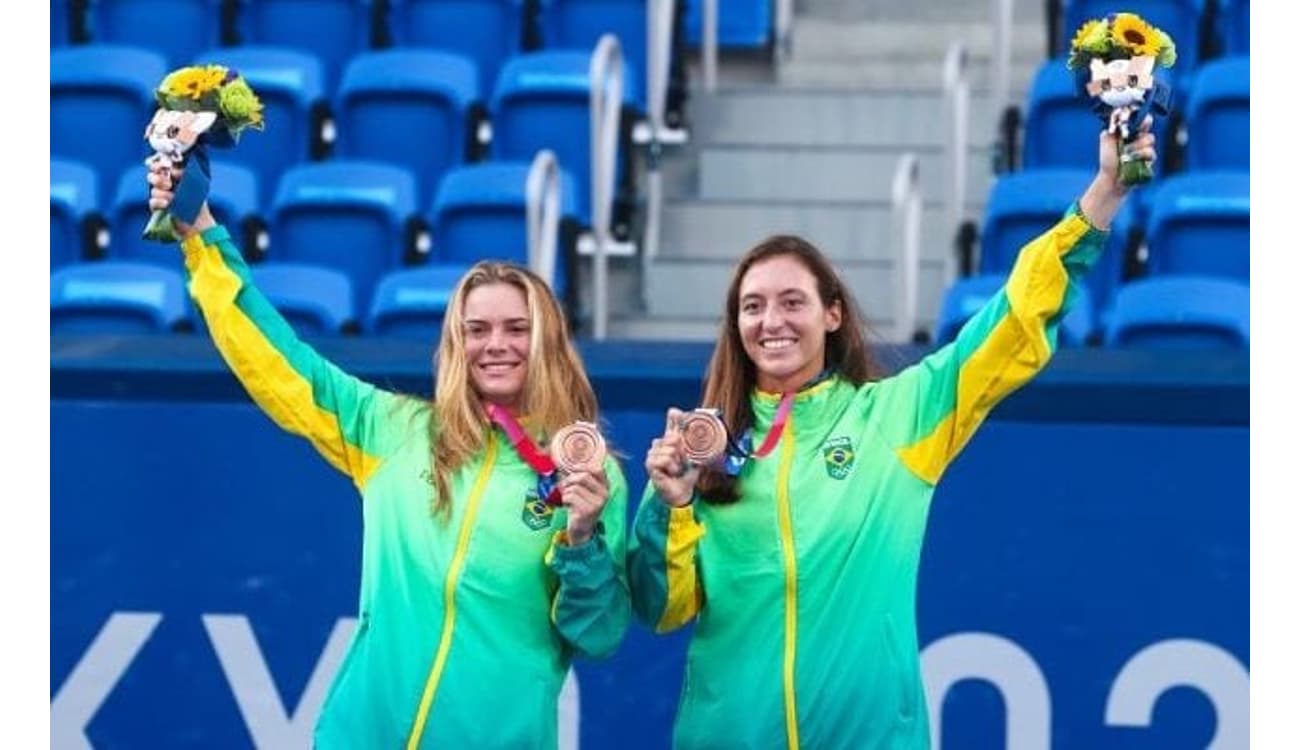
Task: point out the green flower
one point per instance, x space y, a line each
1091 40
1093 36
239 106
1167 55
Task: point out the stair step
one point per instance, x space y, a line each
724 230
663 328
849 11
826 174
696 289
818 38
919 74
833 118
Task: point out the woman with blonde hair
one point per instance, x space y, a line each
796 553
483 571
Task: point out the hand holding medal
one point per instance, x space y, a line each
578 447
572 475
699 439
704 437
579 454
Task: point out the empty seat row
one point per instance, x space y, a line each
486 31
1167 312
131 298
358 218
1189 224
413 109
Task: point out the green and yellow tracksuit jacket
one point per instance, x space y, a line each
467 625
803 592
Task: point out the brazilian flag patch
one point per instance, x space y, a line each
537 514
839 456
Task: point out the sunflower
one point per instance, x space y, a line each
1130 32
1093 36
193 82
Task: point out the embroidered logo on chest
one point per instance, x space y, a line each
537 514
838 453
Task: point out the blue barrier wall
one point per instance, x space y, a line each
1100 516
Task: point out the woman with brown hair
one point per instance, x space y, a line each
483 571
796 553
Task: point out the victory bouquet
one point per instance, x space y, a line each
1114 60
200 106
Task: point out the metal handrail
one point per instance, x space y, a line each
1001 83
659 53
956 94
660 17
606 75
905 224
543 211
784 20
709 44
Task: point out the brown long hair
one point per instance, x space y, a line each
731 375
557 391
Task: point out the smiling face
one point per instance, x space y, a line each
783 322
497 336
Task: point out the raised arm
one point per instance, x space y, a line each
350 422
933 408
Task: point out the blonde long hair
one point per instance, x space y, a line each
557 391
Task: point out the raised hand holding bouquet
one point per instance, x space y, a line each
199 106
1114 60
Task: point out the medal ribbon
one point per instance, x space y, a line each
541 463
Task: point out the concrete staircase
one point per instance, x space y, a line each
808 145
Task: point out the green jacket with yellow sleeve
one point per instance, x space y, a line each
457 614
803 593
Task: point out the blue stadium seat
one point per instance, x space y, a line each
1058 122
72 197
1233 27
350 216
410 108
1126 232
966 296
543 101
579 25
1180 19
1023 205
742 24
337 29
232 200
1218 116
234 196
412 303
177 29
1200 225
101 99
316 301
117 297
1181 312
480 212
61 22
485 31
291 87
